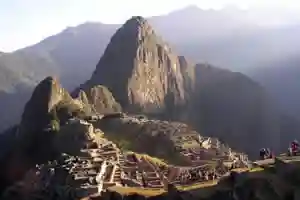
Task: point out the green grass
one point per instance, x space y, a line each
123 144
135 190
198 185
154 160
190 144
256 169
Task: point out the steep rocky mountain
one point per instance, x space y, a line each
41 108
153 80
149 75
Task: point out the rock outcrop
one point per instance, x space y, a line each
100 100
37 111
49 107
49 102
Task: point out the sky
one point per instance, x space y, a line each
25 22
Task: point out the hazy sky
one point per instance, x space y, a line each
24 22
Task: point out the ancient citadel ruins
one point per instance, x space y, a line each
94 163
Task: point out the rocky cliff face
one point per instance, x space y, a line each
45 97
140 69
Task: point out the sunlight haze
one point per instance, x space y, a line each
25 22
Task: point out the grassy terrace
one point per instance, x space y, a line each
133 190
153 192
154 160
197 185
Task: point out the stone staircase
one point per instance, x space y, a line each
117 175
121 160
154 180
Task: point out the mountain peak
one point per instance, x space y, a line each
136 27
148 72
51 80
137 19
47 94
137 23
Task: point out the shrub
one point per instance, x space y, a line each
54 124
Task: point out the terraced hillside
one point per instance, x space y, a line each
89 163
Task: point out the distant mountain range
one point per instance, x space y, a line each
220 38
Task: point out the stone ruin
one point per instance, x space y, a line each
89 164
